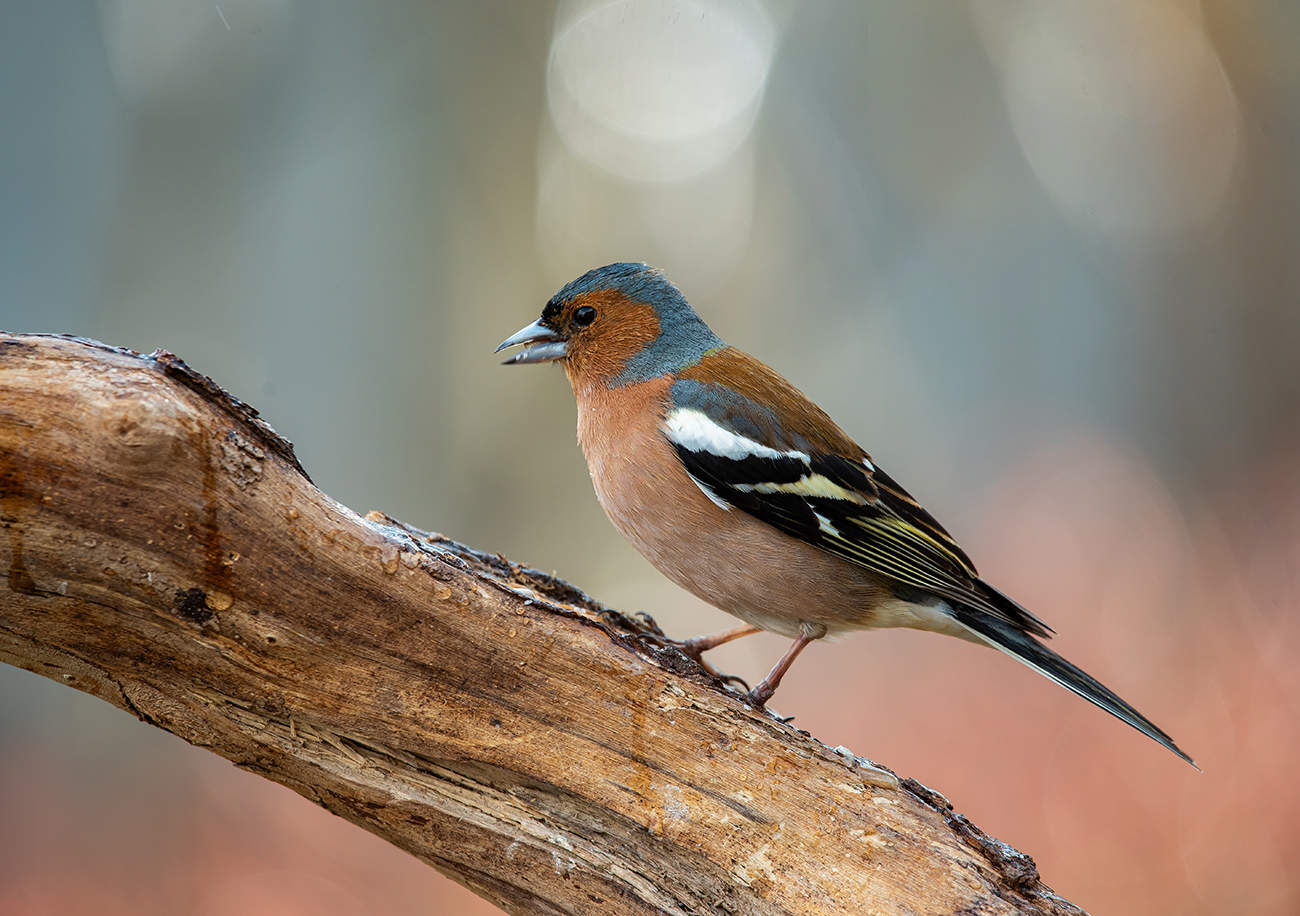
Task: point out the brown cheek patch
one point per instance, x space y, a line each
799 416
622 329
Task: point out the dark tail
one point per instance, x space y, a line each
1024 648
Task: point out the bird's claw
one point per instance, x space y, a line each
695 654
649 626
727 679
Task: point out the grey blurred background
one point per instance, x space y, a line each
1039 256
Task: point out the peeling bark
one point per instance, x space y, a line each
166 552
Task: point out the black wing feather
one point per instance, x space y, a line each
872 522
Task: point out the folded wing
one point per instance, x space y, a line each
824 490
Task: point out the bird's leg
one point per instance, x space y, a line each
766 687
698 645
695 647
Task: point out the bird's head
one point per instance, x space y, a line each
617 325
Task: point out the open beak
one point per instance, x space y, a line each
546 345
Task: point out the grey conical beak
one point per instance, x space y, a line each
547 346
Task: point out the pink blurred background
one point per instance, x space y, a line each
1039 257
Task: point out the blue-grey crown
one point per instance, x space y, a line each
683 338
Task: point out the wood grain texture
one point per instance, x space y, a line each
163 550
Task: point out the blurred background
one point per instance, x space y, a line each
1038 256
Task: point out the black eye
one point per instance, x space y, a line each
584 316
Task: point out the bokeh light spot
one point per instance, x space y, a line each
1123 111
658 91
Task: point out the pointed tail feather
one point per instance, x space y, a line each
1029 651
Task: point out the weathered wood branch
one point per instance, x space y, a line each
165 551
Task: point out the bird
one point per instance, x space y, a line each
741 490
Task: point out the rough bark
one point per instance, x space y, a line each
165 551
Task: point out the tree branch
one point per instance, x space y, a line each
167 553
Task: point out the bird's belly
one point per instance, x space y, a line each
732 560
726 557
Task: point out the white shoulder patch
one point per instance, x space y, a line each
692 429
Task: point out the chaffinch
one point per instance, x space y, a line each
745 493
